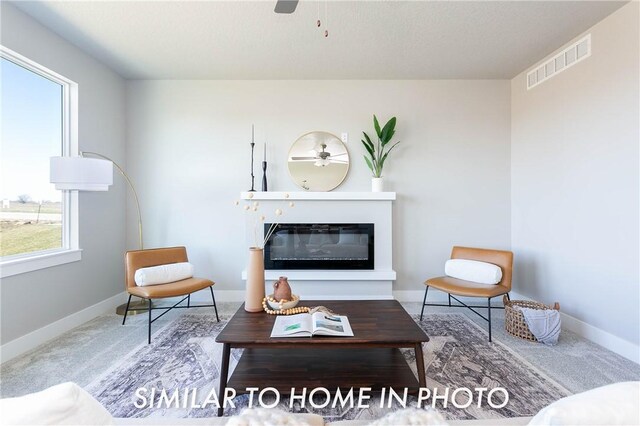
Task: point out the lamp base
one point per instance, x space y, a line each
135 308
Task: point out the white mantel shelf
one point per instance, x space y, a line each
332 275
319 196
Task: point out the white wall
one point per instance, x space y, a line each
188 152
34 300
551 173
575 183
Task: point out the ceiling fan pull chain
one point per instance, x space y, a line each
318 23
326 18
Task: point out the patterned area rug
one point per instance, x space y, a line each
184 355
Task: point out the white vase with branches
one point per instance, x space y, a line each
255 291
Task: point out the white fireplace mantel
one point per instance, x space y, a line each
335 207
320 196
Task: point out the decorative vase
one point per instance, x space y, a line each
282 289
377 184
255 281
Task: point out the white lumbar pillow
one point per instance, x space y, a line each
472 270
163 274
63 404
615 404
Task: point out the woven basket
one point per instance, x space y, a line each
514 321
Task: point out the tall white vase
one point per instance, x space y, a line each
255 281
377 184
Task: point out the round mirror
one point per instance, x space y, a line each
318 161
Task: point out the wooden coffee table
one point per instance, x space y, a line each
371 358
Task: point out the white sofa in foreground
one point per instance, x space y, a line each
69 404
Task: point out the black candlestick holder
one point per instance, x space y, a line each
264 176
252 176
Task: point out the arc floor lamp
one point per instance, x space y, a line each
84 173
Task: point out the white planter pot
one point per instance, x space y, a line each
377 184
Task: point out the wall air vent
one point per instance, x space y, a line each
568 57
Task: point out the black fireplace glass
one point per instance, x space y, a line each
320 246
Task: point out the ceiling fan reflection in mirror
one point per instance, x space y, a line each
322 158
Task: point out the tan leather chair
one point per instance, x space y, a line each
136 259
454 286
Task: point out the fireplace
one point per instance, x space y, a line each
322 246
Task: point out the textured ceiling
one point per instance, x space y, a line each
367 39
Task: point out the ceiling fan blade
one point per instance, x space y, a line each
304 158
286 6
338 155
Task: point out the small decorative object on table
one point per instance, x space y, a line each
282 289
282 301
514 322
378 152
283 307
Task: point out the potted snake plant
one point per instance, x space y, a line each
378 151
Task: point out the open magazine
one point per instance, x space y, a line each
307 325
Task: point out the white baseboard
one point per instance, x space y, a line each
225 295
42 335
603 338
409 295
204 296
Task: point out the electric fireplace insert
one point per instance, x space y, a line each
320 246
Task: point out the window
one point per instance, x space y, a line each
38 224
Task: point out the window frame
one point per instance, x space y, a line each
70 250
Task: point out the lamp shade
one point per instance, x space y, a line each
81 174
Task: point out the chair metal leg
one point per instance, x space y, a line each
508 297
214 303
126 310
424 302
449 294
189 301
489 316
149 333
